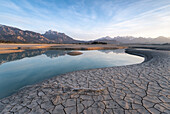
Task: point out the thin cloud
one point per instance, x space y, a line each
89 19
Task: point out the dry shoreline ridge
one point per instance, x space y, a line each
139 88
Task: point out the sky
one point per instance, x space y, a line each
89 19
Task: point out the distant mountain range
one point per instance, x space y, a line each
12 34
134 40
107 40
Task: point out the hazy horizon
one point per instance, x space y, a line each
88 20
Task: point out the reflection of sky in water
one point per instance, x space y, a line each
29 70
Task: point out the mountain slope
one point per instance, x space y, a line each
58 37
12 34
161 39
17 35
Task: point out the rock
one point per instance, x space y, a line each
74 53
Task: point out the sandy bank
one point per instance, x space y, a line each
10 51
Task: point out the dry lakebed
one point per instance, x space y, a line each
139 88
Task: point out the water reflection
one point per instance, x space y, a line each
117 51
55 53
32 66
31 53
16 56
49 53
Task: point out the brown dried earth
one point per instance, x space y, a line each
13 48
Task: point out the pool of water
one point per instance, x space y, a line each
20 69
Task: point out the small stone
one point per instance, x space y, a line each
41 93
74 53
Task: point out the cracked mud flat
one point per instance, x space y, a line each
141 88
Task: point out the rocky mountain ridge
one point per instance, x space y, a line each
133 40
58 37
107 40
13 34
16 35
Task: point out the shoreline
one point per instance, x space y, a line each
16 48
146 57
27 86
63 86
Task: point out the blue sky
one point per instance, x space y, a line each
89 19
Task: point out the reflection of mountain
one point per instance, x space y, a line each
55 53
117 51
31 53
16 56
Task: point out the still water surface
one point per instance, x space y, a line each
32 66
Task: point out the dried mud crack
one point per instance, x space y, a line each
140 88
